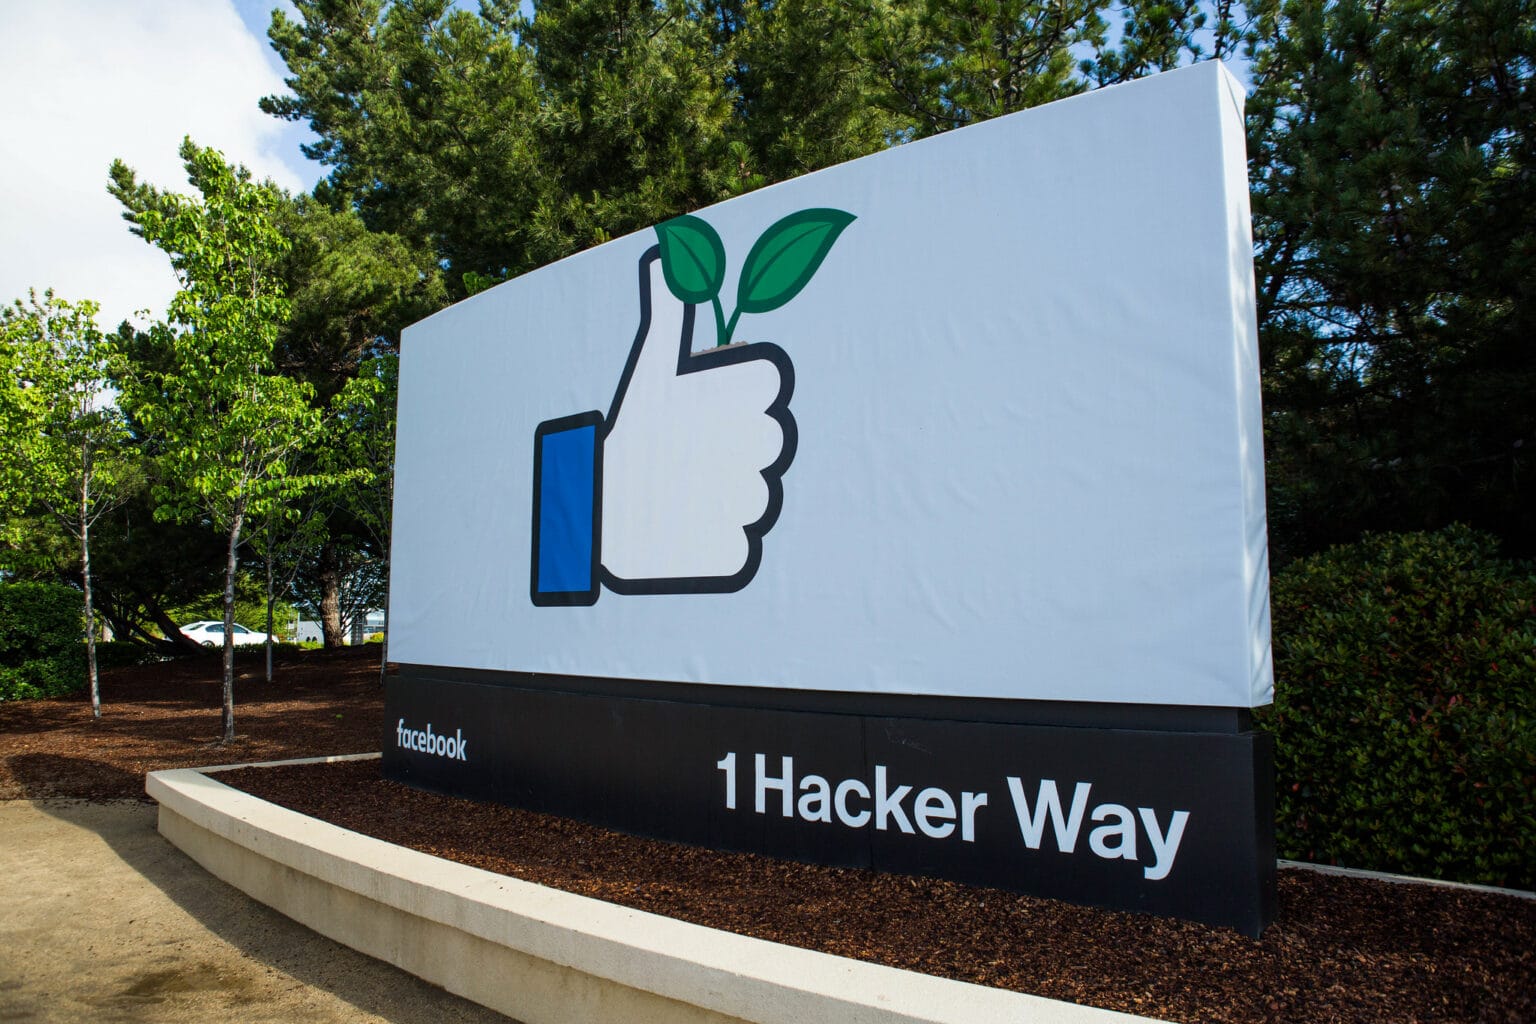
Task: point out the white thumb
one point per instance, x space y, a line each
663 341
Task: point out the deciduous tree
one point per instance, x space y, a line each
231 427
63 445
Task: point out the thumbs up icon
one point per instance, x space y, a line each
674 489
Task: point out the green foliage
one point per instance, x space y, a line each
59 436
350 292
232 431
945 65
139 566
1393 173
507 141
475 283
361 439
1405 708
353 516
804 94
229 426
41 654
64 446
506 144
250 607
123 653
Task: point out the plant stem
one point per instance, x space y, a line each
730 328
721 336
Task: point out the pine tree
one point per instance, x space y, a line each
1393 193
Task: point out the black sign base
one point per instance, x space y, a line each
1157 810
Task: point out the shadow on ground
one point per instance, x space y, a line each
252 955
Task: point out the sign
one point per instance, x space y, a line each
907 514
1162 821
1004 442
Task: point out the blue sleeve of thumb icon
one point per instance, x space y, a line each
567 465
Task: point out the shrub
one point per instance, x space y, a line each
1405 705
122 653
41 629
282 647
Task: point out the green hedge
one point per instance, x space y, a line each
1405 708
41 629
282 647
122 653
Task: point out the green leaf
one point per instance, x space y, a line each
692 258
786 256
475 283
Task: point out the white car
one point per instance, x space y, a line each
211 634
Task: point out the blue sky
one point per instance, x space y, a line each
256 15
87 81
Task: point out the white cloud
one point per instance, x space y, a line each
84 81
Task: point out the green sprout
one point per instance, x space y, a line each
780 263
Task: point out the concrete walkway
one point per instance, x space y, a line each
103 920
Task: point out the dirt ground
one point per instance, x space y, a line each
1342 949
103 920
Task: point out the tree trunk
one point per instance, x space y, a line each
111 606
172 631
107 612
85 579
384 646
231 564
269 602
330 596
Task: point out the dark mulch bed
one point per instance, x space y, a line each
167 716
1341 949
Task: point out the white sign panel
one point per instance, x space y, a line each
987 425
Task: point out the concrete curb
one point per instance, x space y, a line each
332 759
541 955
1387 876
